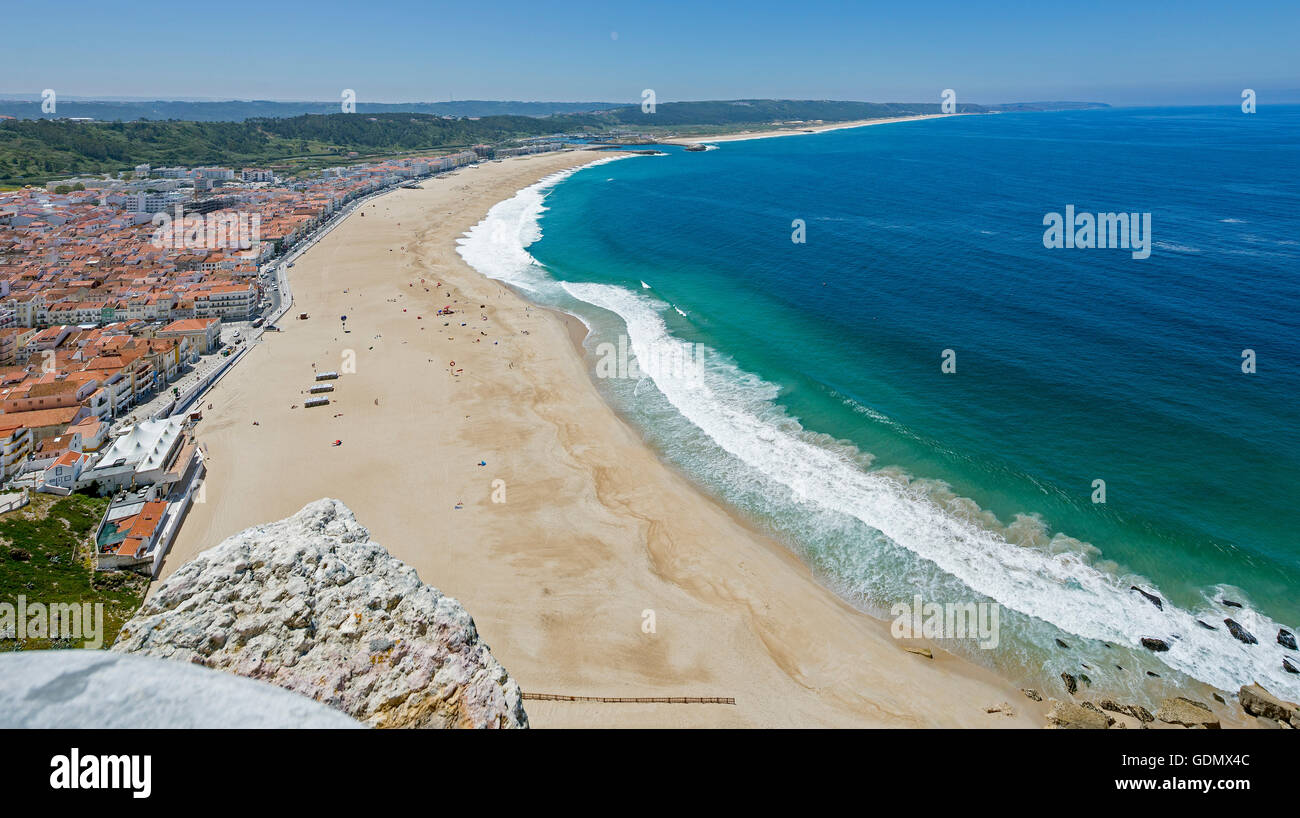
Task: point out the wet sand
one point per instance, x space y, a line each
593 532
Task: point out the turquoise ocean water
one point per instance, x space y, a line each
811 398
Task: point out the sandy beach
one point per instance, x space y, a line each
594 530
768 134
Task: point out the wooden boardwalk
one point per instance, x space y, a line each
554 697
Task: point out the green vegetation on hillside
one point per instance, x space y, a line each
37 150
46 557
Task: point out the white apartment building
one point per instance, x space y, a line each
152 202
232 302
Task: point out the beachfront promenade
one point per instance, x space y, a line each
212 370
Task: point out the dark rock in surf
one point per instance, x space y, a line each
1230 603
1062 644
1288 667
1206 625
1155 600
1240 633
1286 639
1071 683
1157 645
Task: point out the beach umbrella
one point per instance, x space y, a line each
343 318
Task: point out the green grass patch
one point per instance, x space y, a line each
46 556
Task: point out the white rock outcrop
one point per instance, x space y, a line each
312 605
98 690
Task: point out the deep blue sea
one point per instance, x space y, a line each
811 394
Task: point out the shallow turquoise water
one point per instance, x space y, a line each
822 411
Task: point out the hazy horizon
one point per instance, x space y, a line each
1274 97
401 52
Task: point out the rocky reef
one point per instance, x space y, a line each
312 605
1175 712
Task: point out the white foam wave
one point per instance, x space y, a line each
496 246
1060 585
1052 582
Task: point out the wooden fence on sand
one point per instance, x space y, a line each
553 697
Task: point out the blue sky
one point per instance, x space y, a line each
1125 53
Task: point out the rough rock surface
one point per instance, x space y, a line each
312 605
1257 701
1240 633
1070 716
98 690
1188 713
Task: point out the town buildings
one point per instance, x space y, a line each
110 290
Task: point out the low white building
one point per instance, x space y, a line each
139 456
65 471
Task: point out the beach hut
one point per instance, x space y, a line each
324 387
311 402
326 376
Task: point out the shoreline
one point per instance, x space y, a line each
742 136
596 530
739 615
